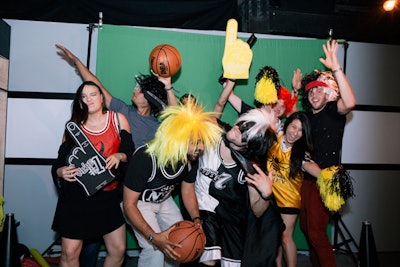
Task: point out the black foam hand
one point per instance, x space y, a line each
92 172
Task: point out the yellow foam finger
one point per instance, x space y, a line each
237 54
231 32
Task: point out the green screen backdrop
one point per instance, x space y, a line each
123 52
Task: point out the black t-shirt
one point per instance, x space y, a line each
154 183
327 127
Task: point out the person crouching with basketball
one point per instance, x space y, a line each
156 169
230 188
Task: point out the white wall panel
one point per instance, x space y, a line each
35 127
371 138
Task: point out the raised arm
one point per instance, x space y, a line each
223 97
84 72
347 100
169 89
227 95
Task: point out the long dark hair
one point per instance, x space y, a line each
301 146
79 110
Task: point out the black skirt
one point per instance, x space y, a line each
78 216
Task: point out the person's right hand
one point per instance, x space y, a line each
161 241
68 173
296 80
66 54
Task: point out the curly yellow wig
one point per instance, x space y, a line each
181 125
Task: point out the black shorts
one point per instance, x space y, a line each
225 240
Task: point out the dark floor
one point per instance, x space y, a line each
344 259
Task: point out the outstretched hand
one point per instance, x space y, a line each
296 80
237 54
66 54
331 60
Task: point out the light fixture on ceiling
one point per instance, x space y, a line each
389 5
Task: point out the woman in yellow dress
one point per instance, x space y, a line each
286 157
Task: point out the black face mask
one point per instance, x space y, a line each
243 128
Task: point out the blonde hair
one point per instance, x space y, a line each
181 125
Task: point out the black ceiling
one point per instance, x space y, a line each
352 20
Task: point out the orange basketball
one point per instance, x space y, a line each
192 239
165 60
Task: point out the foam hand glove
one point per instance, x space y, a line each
92 172
237 54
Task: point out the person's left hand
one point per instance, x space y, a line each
161 241
165 80
331 61
113 161
261 181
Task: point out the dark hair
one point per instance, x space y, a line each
154 92
257 148
79 110
301 146
304 95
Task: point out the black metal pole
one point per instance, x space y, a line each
90 28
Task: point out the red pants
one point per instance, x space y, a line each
314 218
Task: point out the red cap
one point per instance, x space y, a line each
314 84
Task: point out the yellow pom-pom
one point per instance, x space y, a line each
265 91
330 192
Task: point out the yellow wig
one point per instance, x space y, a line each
180 125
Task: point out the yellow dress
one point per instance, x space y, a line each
286 190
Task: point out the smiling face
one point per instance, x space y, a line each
294 131
317 98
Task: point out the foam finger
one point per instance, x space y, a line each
231 32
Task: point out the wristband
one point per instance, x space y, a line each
197 218
168 89
151 237
336 70
75 60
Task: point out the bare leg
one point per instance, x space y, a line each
116 244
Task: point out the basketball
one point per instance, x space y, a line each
165 60
192 239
